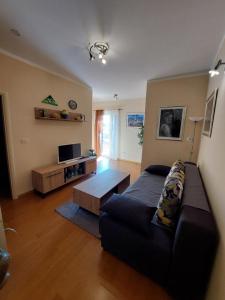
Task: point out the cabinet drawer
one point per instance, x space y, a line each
53 180
91 166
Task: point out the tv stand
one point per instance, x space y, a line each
49 178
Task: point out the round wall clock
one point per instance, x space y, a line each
72 104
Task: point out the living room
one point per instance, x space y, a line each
144 91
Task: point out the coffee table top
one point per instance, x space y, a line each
100 184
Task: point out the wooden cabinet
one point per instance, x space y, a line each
91 166
53 180
51 177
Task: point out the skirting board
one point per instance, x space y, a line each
131 161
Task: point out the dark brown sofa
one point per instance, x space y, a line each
179 259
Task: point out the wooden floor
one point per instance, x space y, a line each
52 259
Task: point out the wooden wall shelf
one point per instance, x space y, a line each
55 115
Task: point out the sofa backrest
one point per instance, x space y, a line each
195 240
194 194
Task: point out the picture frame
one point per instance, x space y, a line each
210 108
135 120
171 123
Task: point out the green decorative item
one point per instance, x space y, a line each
50 100
141 135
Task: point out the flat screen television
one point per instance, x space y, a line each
69 152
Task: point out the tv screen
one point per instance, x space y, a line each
68 152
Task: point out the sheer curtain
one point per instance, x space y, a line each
98 131
111 134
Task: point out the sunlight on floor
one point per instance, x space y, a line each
103 164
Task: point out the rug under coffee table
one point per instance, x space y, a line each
93 192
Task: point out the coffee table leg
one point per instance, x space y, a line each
123 185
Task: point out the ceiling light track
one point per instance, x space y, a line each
98 50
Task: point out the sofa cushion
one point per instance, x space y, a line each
160 170
130 211
147 189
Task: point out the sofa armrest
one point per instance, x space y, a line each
193 252
130 211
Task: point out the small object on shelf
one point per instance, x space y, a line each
54 114
50 100
64 114
72 104
40 113
80 117
91 152
45 113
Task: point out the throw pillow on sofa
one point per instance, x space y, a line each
170 198
177 171
160 170
179 164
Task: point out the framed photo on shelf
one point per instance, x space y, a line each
209 113
171 123
135 119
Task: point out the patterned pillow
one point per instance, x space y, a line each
179 164
170 198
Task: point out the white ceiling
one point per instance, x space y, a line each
148 39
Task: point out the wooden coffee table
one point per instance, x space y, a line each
93 192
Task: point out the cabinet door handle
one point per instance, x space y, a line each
54 174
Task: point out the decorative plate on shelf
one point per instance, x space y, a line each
72 104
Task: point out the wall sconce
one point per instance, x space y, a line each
215 71
192 139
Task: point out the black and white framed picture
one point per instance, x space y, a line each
171 122
209 114
135 119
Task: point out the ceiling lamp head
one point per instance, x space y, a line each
115 96
215 71
98 50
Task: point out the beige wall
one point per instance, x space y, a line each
35 141
128 144
212 166
189 91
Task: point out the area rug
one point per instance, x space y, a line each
81 217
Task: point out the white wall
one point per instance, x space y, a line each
34 142
188 91
129 148
212 166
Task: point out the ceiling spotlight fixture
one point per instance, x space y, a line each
98 50
215 71
15 32
104 61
